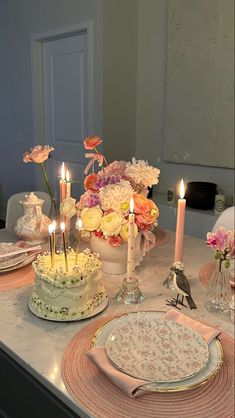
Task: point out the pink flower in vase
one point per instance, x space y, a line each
115 241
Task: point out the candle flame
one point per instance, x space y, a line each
62 226
79 224
182 189
67 176
62 175
54 226
131 205
50 229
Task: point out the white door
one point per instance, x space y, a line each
65 85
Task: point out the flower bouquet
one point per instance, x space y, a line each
219 291
104 207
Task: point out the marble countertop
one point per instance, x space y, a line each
38 344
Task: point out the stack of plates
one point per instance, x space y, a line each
167 355
16 255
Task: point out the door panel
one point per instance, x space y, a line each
66 105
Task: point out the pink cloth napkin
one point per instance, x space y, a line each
130 385
206 331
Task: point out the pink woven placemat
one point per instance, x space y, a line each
162 237
92 389
206 273
16 278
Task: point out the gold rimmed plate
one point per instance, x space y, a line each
212 367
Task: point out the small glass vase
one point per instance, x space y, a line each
219 291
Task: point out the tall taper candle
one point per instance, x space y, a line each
62 227
62 184
131 245
68 185
179 236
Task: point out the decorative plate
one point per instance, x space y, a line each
12 261
156 350
97 310
29 258
212 367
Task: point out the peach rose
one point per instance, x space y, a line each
90 181
141 203
38 154
149 214
92 141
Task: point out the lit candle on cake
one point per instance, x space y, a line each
79 228
131 244
179 237
63 189
53 242
62 227
50 230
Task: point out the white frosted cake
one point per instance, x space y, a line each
61 295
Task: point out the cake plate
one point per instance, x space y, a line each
96 311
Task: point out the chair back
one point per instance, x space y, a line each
14 209
226 219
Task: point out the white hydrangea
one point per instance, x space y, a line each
140 173
116 196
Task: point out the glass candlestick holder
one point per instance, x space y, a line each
130 292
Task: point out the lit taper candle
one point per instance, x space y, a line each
131 244
68 184
62 183
179 236
62 227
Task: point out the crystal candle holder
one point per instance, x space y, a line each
130 292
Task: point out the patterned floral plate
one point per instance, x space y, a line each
212 368
156 350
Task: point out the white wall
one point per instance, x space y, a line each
18 21
151 103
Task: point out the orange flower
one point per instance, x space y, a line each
92 142
38 154
141 203
90 181
146 211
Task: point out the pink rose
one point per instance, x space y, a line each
115 241
92 142
38 154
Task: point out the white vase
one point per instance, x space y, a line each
32 227
114 259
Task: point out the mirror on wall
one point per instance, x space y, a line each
199 112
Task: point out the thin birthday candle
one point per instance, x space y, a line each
131 244
62 227
179 236
50 230
79 228
53 242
